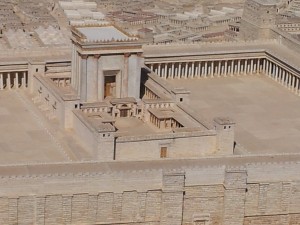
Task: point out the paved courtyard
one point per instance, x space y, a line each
26 137
266 113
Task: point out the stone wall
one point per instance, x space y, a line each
160 192
179 145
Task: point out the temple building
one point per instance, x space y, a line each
178 123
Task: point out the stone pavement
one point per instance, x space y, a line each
26 137
267 114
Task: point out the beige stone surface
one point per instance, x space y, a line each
27 137
267 115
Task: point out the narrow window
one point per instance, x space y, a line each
163 152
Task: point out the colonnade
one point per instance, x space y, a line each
164 123
150 94
283 76
62 82
217 68
10 80
204 69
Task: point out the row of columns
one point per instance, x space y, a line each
283 76
199 69
9 80
204 69
149 94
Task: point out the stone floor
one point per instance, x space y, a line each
266 113
27 137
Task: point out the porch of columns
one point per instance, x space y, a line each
15 80
210 68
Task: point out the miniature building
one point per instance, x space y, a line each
118 131
258 18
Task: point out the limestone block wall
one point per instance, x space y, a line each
85 132
180 145
151 193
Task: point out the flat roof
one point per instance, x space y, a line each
108 33
266 113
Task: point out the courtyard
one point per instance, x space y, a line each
266 114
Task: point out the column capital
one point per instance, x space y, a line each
97 56
127 54
140 54
83 56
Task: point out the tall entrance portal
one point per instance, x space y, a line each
110 86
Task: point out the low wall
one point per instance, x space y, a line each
179 145
87 134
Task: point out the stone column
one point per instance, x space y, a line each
276 73
205 69
283 77
83 78
159 70
212 69
151 67
246 67
239 67
293 83
8 83
165 71
290 81
219 68
193 70
16 80
24 80
172 71
251 66
186 70
264 65
225 68
232 68
200 72
258 69
179 71
297 86
273 71
1 81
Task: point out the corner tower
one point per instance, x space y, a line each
258 19
106 62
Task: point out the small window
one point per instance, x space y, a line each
224 127
163 152
36 70
181 99
76 106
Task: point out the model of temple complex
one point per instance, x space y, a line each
149 112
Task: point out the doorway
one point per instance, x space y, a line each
109 86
